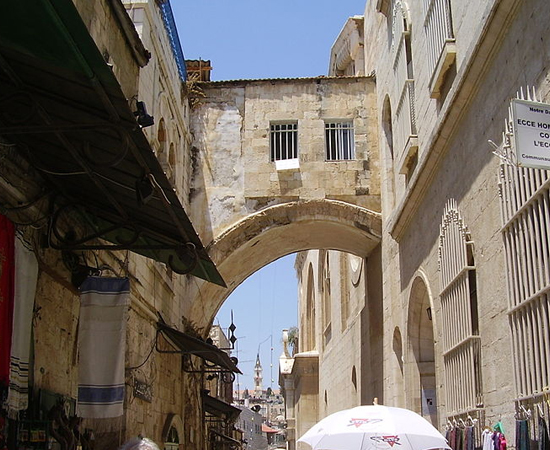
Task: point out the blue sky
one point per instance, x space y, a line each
263 305
247 39
250 39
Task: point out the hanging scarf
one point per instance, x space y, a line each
102 342
7 240
26 275
469 438
544 440
522 435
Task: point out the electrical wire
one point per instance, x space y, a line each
148 356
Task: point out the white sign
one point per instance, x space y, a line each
531 126
287 164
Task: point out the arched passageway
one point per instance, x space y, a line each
421 374
277 231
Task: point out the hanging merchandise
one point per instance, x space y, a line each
499 440
522 434
452 438
459 439
469 438
544 440
7 241
26 276
487 438
102 340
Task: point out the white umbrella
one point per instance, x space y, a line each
374 427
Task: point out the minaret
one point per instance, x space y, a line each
258 375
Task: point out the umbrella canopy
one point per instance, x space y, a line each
374 427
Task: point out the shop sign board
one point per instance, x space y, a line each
531 127
143 390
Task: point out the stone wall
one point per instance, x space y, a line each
234 176
455 162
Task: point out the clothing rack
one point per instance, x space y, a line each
463 428
533 412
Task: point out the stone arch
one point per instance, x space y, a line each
397 366
387 125
388 159
276 231
171 159
326 297
309 338
420 373
172 432
162 138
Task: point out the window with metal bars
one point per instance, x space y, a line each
525 212
339 139
459 310
284 141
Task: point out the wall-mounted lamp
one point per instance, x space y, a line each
144 190
429 313
78 268
144 119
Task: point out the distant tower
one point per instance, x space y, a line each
258 375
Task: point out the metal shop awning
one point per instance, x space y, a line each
226 439
219 408
190 344
64 109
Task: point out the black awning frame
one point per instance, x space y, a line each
215 360
63 108
219 408
229 440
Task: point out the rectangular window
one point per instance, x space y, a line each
138 17
284 141
339 140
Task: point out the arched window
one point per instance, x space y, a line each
461 341
172 432
171 169
162 138
326 296
309 338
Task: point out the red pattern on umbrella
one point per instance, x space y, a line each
390 440
358 422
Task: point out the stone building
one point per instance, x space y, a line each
95 176
453 320
426 277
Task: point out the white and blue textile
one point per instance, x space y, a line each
26 277
102 341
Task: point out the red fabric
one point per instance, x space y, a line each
7 242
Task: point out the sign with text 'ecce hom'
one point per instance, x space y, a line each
531 133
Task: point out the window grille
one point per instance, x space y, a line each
461 342
525 202
340 143
284 141
525 211
438 28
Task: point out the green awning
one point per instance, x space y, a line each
65 110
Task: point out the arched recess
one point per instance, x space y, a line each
309 337
389 157
162 138
397 368
326 297
172 433
276 231
420 374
